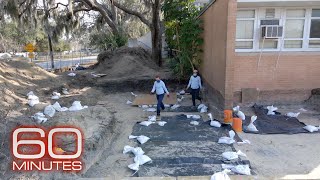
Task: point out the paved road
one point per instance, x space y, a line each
67 62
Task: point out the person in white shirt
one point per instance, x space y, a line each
160 89
195 85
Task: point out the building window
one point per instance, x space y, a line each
301 29
314 41
245 29
294 28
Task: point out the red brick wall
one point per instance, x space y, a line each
218 48
295 70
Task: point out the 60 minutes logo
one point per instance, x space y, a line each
35 149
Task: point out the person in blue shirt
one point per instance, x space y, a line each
195 85
160 89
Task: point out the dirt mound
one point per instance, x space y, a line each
17 78
126 63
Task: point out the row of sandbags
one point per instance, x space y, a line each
271 111
50 110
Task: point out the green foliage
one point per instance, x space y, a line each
183 35
107 41
13 39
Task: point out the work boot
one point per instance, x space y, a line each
158 117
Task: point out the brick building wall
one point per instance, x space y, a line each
218 50
291 78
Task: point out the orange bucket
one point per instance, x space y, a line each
237 125
228 116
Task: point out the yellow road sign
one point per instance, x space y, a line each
31 55
29 47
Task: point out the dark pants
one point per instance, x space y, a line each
160 103
195 95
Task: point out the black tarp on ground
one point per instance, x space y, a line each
182 149
182 109
274 124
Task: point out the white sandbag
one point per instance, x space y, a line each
30 93
127 149
128 102
142 159
216 124
152 118
251 127
49 111
227 166
193 116
145 123
180 99
201 106
134 166
175 106
162 123
151 110
236 109
32 99
58 107
204 109
196 123
227 140
65 91
221 175
144 106
230 155
72 74
302 109
244 142
271 110
241 115
33 102
133 94
142 139
210 116
55 96
40 117
242 169
182 92
311 128
76 106
137 151
132 137
292 114
233 155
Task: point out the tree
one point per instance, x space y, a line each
148 13
183 32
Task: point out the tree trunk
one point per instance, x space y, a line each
51 52
156 33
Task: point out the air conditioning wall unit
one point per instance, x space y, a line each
272 31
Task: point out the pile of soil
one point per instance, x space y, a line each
314 99
17 78
126 63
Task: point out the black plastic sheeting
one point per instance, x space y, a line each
182 109
274 124
181 149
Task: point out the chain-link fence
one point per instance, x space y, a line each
64 59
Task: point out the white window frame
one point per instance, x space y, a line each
254 19
259 12
305 29
310 39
